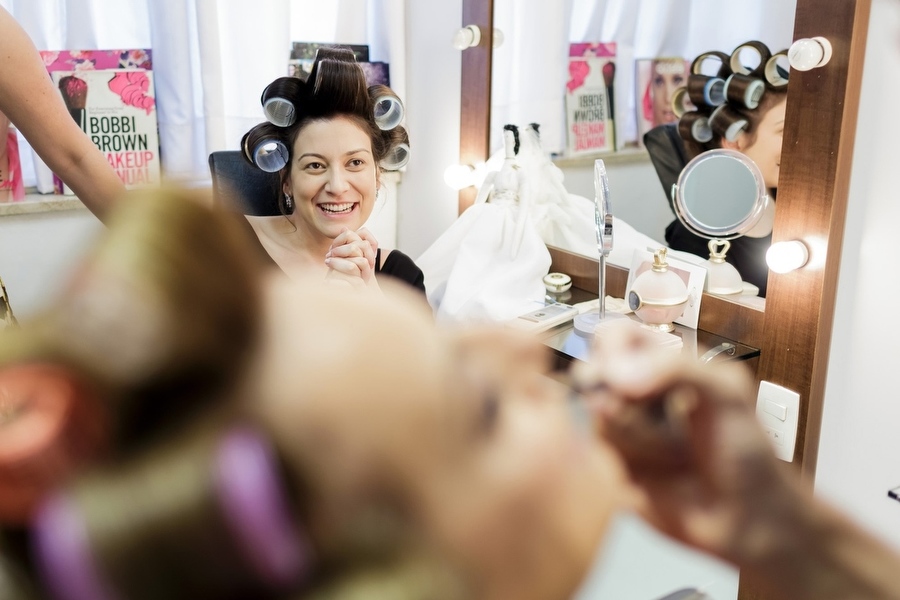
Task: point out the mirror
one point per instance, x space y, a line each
526 87
720 194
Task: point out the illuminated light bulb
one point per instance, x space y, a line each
784 257
459 176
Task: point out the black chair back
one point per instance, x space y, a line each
242 187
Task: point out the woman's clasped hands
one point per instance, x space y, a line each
351 260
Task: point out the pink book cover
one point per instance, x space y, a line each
78 61
590 91
116 108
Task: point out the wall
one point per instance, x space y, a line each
858 457
426 205
37 252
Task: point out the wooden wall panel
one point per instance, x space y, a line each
475 103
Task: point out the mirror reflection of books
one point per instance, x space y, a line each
656 80
303 55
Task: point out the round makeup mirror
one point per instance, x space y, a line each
721 195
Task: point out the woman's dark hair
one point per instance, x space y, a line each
734 113
335 87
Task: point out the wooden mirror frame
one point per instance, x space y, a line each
820 130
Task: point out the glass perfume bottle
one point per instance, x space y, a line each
658 296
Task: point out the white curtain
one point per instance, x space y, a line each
529 69
212 58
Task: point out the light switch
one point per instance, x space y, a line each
778 409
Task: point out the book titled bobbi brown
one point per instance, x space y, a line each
116 108
590 109
70 70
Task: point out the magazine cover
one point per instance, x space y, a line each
590 108
656 80
116 108
84 60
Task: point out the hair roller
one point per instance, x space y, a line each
778 69
698 66
744 90
256 508
727 122
269 153
226 531
62 553
681 102
763 54
388 112
278 100
54 424
396 158
694 126
704 90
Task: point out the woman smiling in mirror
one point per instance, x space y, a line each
330 137
747 117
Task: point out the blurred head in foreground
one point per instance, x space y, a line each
315 442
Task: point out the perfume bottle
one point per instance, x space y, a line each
658 296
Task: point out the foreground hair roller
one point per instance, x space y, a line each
396 158
227 531
388 112
744 90
278 100
727 122
695 126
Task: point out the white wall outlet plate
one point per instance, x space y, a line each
778 409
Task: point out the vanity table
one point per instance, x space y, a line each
722 320
569 345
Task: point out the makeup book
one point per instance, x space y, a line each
116 108
590 105
656 80
78 62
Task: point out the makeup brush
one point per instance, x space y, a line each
609 74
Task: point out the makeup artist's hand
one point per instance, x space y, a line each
705 474
704 470
351 258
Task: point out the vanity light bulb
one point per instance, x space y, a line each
467 37
499 38
784 257
458 176
809 53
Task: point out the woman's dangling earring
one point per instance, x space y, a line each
288 203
